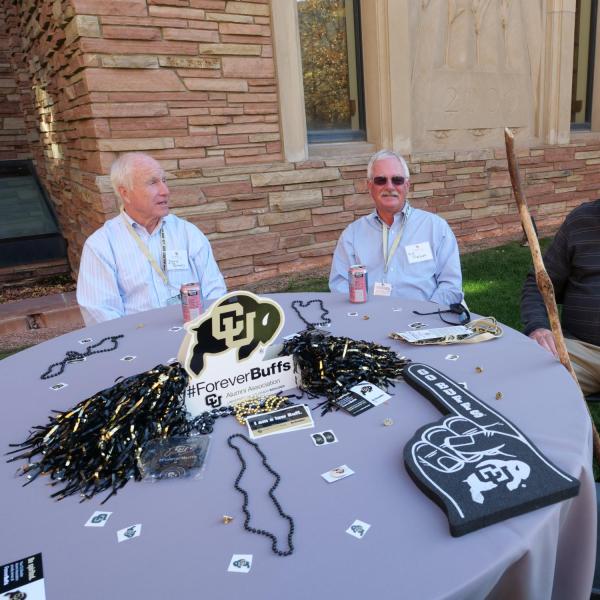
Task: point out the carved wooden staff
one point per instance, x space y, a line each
542 278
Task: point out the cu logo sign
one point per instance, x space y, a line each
230 324
240 321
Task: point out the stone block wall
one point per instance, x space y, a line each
192 82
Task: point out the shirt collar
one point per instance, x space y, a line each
137 226
401 215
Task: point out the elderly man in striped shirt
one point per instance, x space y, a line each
139 260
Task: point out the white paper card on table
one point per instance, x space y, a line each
338 473
98 519
370 392
358 529
58 386
418 252
382 289
432 334
129 532
240 563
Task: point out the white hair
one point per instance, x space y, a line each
122 170
382 154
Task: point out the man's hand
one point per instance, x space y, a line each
545 339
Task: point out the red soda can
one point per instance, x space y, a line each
191 301
358 283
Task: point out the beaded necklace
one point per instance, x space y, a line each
276 503
74 356
297 304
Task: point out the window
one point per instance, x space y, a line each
583 63
332 69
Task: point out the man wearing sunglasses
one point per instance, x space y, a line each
408 252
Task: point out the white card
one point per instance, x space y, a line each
452 357
86 341
352 314
175 328
338 473
128 358
240 563
418 252
382 289
370 392
358 529
176 260
58 386
129 532
98 519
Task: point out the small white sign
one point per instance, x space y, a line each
358 529
240 563
338 473
86 341
129 532
382 289
98 519
58 386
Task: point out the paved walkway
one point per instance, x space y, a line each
28 322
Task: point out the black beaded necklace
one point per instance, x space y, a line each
73 355
244 493
297 304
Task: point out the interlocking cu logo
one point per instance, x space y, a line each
229 322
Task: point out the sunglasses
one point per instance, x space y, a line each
395 179
461 314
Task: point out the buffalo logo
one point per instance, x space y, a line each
366 389
241 563
131 531
239 320
18 595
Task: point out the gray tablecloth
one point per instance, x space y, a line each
184 548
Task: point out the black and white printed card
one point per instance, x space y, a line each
22 579
98 519
370 392
288 418
353 404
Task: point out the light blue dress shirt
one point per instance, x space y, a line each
117 279
438 279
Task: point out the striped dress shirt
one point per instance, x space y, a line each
117 279
573 263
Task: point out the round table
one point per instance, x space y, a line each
184 548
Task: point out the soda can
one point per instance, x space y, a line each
358 283
191 301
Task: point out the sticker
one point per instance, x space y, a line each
323 438
98 519
418 252
58 386
452 357
382 289
397 309
358 529
338 473
86 340
128 358
353 314
129 532
23 578
289 418
175 328
370 392
417 325
240 563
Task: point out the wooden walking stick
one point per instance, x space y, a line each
542 278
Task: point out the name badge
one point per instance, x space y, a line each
174 300
418 252
382 289
176 260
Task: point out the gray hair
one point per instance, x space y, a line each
382 154
121 171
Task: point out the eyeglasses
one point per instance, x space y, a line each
462 315
395 179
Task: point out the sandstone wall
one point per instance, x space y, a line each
192 82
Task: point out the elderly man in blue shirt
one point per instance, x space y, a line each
408 252
139 260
